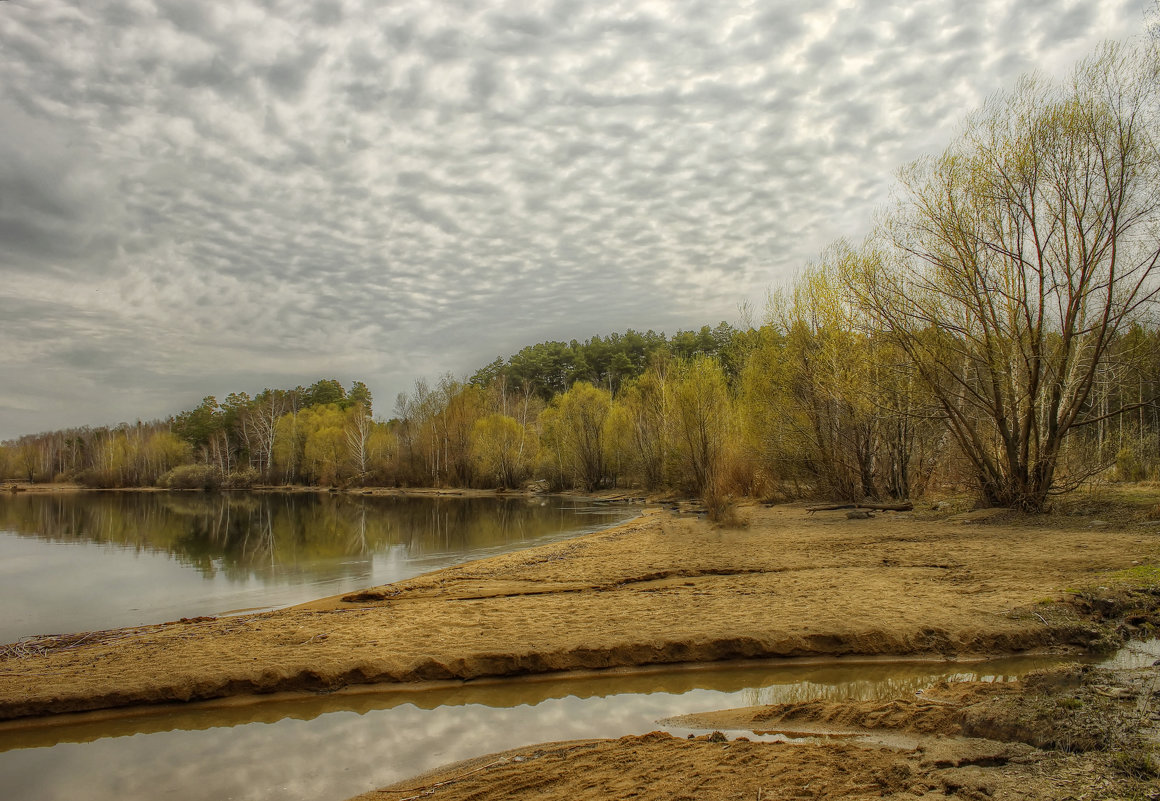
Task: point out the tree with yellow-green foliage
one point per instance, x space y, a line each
644 405
702 423
503 450
324 445
573 432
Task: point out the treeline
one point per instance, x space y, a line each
996 330
550 368
811 407
806 406
305 434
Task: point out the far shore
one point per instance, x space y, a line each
16 487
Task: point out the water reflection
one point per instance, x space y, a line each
335 746
71 562
760 682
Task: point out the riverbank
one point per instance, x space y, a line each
665 588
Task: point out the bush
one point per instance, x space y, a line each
241 479
97 479
1128 466
721 506
191 476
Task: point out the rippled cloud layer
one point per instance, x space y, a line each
204 197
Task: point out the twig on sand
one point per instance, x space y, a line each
904 506
39 646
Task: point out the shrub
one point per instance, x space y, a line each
241 479
1128 466
97 479
191 476
721 506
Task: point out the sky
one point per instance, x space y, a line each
205 197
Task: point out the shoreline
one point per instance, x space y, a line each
228 711
662 589
600 496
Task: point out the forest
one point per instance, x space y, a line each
995 330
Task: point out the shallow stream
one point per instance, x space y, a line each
331 747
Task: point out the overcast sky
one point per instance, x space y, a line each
203 197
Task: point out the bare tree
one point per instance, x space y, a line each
1017 256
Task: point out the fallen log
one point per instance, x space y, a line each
904 506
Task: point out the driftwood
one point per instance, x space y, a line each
904 506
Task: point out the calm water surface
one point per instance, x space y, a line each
334 746
84 561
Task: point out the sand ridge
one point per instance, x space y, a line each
663 588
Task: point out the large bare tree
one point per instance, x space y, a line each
1015 258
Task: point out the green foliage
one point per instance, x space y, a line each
548 369
324 392
359 395
643 420
573 431
323 442
702 419
198 425
1138 577
241 479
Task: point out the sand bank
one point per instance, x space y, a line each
664 588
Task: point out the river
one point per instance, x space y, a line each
73 562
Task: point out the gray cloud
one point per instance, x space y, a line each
202 198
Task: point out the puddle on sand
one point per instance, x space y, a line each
1136 654
339 745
